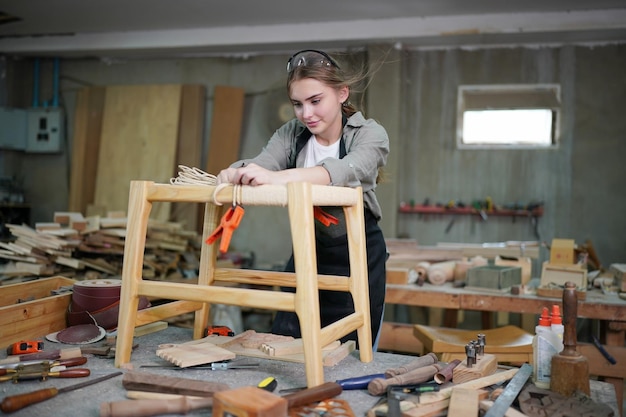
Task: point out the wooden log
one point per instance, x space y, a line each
441 272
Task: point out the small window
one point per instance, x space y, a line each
509 116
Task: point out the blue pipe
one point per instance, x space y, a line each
55 84
36 84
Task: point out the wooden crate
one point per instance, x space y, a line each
494 276
560 274
30 310
402 276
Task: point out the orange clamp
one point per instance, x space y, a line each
229 222
325 218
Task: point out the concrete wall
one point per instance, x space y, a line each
414 94
580 182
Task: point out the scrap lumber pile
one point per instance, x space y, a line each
410 263
90 247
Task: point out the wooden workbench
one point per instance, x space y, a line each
608 309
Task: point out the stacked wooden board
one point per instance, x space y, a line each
73 245
124 133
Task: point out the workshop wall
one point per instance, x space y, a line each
580 183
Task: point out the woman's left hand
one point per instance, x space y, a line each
253 174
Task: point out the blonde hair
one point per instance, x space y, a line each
331 75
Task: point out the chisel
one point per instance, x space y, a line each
17 402
42 364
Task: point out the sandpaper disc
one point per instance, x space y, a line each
81 334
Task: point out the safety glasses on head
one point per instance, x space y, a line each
310 58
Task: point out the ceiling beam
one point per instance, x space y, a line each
411 31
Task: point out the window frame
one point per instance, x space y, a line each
509 97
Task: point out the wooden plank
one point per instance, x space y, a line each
463 403
10 294
443 394
74 220
138 141
225 135
189 150
44 314
150 382
85 147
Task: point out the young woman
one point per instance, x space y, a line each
329 143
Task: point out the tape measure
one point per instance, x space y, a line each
23 347
268 384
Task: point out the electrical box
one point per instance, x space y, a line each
44 130
13 128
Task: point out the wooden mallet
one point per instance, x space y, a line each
570 369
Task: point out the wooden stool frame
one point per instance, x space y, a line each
300 198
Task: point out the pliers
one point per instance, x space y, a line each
229 222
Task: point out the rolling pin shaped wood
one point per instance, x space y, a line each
379 386
420 362
149 408
569 369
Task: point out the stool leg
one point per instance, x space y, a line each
137 225
359 282
206 270
307 307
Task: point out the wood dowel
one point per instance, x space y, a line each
378 386
446 373
420 362
152 407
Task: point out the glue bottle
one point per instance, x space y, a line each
546 344
557 323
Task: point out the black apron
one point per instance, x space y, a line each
331 244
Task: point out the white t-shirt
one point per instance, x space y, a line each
316 152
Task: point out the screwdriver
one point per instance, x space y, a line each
359 382
19 401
